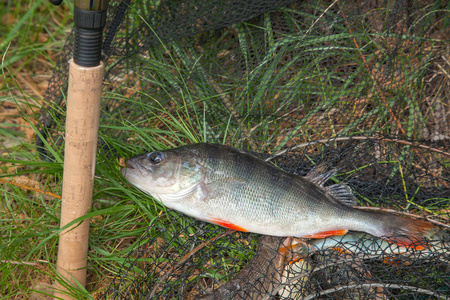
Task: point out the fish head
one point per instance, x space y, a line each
166 175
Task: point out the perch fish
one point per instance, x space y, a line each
234 189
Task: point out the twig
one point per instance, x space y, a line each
320 17
442 69
184 258
14 262
401 213
30 188
30 84
347 138
400 127
369 285
376 82
280 117
446 60
227 102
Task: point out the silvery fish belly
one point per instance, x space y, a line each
232 188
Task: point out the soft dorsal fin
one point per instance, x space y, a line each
340 192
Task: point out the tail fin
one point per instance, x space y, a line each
408 232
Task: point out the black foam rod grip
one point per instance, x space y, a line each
56 2
92 5
88 36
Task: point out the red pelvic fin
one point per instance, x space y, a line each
227 224
323 234
408 242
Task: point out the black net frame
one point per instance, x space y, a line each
360 86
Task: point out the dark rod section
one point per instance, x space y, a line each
89 26
56 2
92 5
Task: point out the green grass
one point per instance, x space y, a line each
32 34
188 103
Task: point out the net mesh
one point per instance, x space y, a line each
362 86
202 261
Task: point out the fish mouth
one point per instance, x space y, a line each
131 166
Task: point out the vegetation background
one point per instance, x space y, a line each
32 34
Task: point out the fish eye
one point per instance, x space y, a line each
155 157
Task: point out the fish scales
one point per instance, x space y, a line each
260 187
232 188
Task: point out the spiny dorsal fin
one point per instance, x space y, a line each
341 192
318 176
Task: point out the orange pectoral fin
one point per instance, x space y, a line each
323 234
227 224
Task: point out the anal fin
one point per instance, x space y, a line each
324 234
